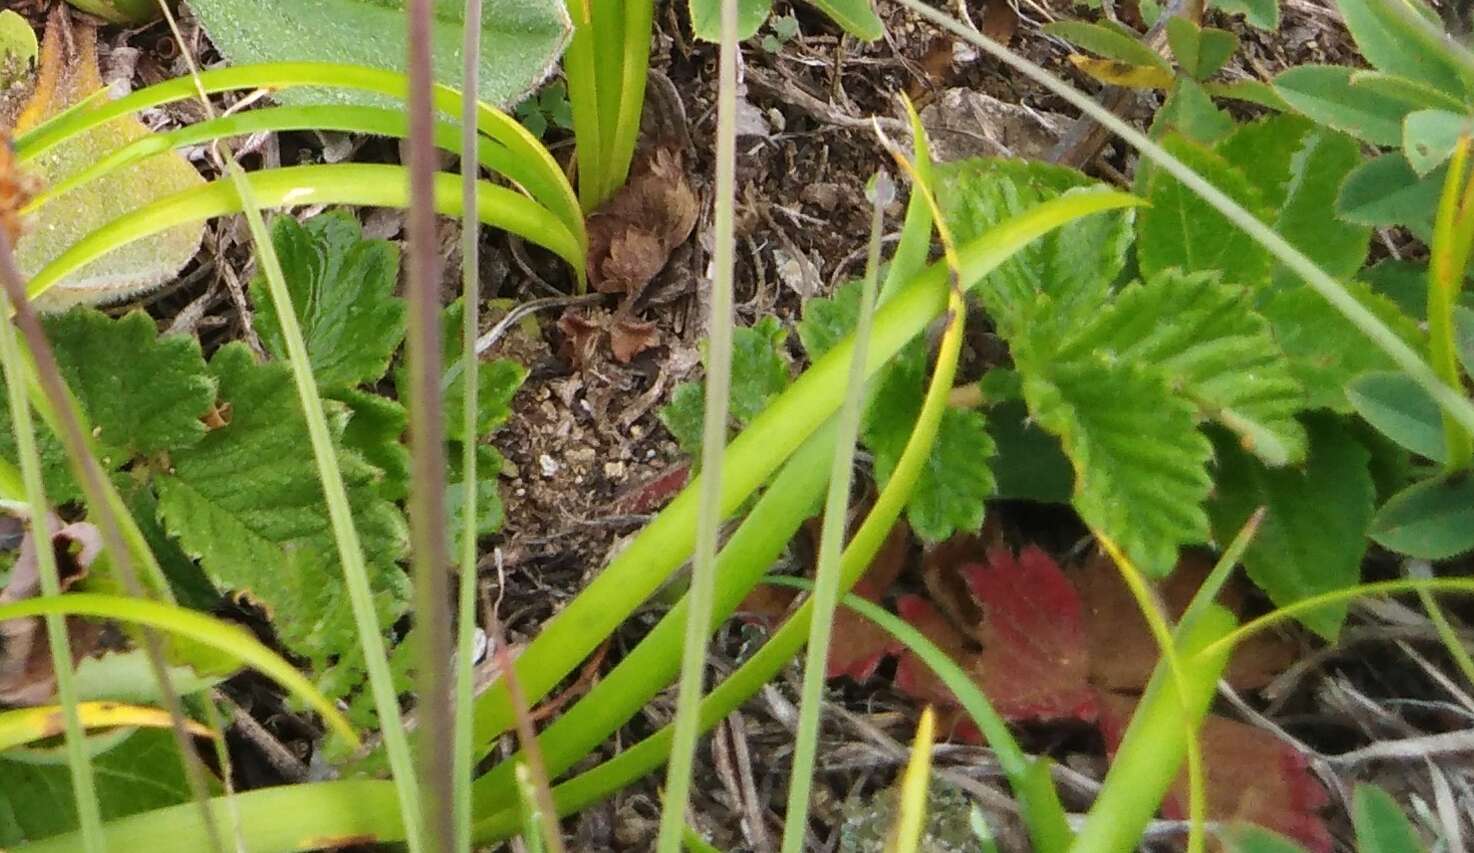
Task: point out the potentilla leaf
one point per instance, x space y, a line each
376 430
1075 264
1314 534
1140 475
1215 350
497 381
760 372
1180 229
141 393
342 289
239 503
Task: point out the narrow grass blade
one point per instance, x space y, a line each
911 821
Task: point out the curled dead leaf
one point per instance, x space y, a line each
631 236
26 674
629 337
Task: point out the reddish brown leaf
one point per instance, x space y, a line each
1035 662
629 337
15 191
581 336
1113 621
653 494
1249 775
913 676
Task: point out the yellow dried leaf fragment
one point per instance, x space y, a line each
67 74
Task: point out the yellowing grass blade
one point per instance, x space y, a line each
906 837
32 724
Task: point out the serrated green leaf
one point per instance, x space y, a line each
242 501
1116 43
1261 14
1325 350
760 371
1263 151
375 430
1317 172
950 496
1181 230
342 289
489 512
1075 265
1431 520
1206 338
1191 112
190 586
1405 283
1430 136
1420 95
498 381
1400 409
143 772
1381 827
1139 459
1327 95
1386 191
521 40
141 393
1394 47
706 18
1313 536
827 320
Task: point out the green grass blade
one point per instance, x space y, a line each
710 510
535 168
84 789
831 543
634 72
360 184
192 625
583 101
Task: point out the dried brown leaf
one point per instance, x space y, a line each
26 673
632 235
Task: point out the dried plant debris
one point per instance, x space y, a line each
26 673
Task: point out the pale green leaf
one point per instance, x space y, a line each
62 221
18 47
1395 47
520 40
1400 409
1261 14
342 289
1314 534
1075 265
1200 51
706 18
1215 351
855 17
1139 460
1326 95
1430 136
1386 191
1181 230
1111 42
1381 827
1430 520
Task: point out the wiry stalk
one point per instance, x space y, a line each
431 558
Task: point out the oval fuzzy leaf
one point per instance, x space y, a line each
1325 94
1429 137
520 40
706 18
855 17
1201 51
1431 520
1116 43
1261 14
18 47
1401 410
1397 47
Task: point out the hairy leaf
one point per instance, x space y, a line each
342 289
1075 265
1400 409
1138 457
1430 520
1396 48
1314 535
68 74
1328 95
760 371
1111 41
1215 351
1386 191
1191 112
376 430
242 501
521 39
1179 229
1263 14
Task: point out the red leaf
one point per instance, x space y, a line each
1035 662
913 676
1250 776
